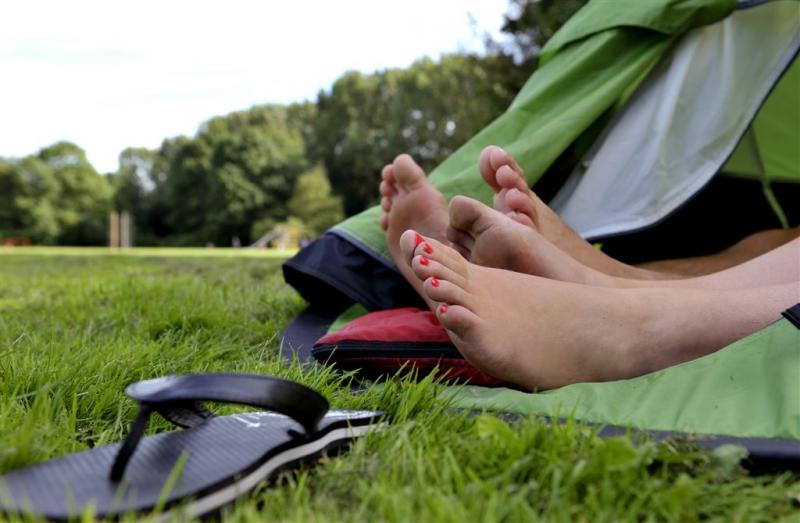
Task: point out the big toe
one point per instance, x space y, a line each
407 173
486 163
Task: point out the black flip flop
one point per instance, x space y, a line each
194 471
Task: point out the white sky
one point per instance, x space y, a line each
112 74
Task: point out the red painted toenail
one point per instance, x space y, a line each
418 239
427 248
435 282
424 261
442 308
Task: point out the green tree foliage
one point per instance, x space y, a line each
238 168
132 178
313 203
54 196
427 110
531 23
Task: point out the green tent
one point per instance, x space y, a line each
656 100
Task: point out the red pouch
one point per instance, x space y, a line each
381 343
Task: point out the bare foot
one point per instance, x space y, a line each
541 333
515 199
534 332
409 201
489 238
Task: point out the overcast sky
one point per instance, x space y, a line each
112 74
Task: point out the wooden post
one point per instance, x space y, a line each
113 229
126 230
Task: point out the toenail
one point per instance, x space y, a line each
442 308
424 261
418 239
427 248
435 282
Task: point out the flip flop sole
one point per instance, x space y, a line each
211 464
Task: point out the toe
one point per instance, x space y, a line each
387 174
384 222
444 291
499 201
439 252
425 268
498 158
386 204
430 258
457 319
520 204
387 189
485 165
407 173
446 261
508 178
408 242
462 241
468 215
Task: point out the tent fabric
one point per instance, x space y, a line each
582 76
749 389
668 18
334 272
771 149
657 153
588 71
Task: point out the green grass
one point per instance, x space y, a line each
76 328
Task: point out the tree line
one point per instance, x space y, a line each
305 164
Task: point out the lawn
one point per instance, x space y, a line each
77 326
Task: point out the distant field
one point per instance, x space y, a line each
78 325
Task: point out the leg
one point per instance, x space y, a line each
514 198
541 333
750 247
492 239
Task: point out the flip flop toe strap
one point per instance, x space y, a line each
179 400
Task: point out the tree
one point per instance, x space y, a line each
54 196
238 168
132 179
427 110
313 203
530 24
27 194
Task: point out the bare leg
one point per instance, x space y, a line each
492 239
750 247
514 198
541 333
